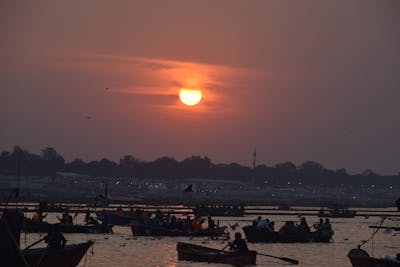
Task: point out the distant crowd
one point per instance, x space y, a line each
289 227
159 219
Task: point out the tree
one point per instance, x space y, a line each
129 166
52 160
195 166
369 173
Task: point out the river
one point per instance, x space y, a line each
122 249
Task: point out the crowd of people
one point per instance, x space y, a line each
289 227
264 224
159 219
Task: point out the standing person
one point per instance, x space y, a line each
54 238
239 244
87 216
211 223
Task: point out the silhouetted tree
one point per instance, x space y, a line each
195 166
52 160
369 173
165 167
77 166
130 166
49 162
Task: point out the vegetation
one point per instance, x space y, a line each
49 162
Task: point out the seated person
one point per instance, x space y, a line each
263 224
239 244
303 226
327 225
54 238
119 212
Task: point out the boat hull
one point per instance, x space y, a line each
146 230
254 235
43 227
360 258
68 256
190 252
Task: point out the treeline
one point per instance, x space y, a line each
49 162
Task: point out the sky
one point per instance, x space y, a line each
297 80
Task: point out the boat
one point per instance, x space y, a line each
150 230
254 235
394 228
191 252
219 210
68 256
336 213
12 256
30 226
360 258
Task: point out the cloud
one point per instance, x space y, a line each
161 79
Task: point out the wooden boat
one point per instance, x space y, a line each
149 230
68 256
219 210
336 213
360 258
394 228
190 252
13 256
255 235
43 227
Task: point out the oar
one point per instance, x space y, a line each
213 257
37 242
292 261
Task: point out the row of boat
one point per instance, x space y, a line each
191 252
70 255
13 256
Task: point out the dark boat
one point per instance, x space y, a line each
149 230
336 213
43 227
394 228
255 235
219 210
360 258
68 256
190 252
13 256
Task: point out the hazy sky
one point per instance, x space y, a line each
298 80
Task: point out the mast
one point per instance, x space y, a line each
18 178
254 158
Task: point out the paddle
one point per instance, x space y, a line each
292 261
37 242
213 257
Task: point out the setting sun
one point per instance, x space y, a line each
190 97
